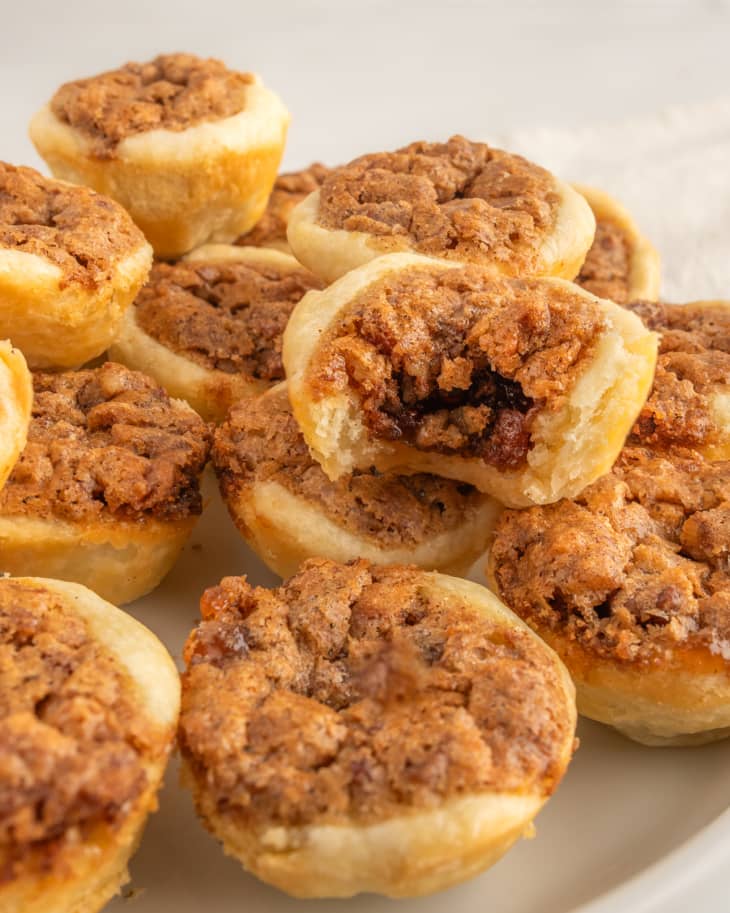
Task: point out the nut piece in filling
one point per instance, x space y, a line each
288 510
457 200
366 728
188 146
524 388
622 264
689 405
89 701
289 190
106 491
209 327
71 261
630 584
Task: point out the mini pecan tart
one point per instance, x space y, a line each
365 728
524 388
71 261
209 327
188 146
460 201
288 510
630 585
622 264
106 491
89 700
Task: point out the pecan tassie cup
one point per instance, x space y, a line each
89 700
629 583
460 201
366 728
524 388
288 510
209 327
188 146
71 261
621 264
106 491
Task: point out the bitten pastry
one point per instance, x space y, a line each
89 701
188 146
289 190
106 491
458 200
689 405
622 264
375 729
71 262
288 510
209 328
16 399
630 584
524 388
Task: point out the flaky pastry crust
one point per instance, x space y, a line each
16 398
570 445
90 869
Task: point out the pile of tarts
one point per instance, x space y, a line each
395 366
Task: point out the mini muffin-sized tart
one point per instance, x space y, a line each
630 585
288 510
106 491
289 190
188 146
622 264
209 328
365 728
524 388
71 261
16 400
689 405
458 200
89 701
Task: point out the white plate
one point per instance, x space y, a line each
613 838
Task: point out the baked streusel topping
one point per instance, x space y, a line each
356 692
226 316
171 92
635 568
607 266
107 443
83 233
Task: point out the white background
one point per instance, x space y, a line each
359 77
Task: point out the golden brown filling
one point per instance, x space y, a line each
607 266
289 190
636 567
81 232
458 199
456 361
72 737
261 442
171 92
353 692
693 366
107 443
225 316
